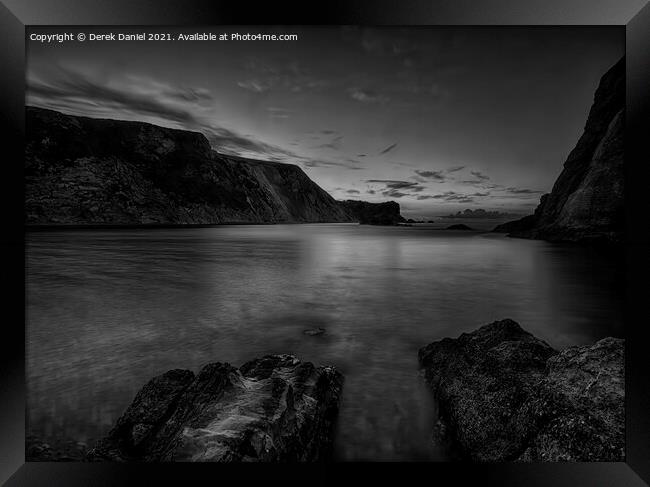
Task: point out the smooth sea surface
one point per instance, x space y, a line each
109 309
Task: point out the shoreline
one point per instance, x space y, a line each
136 226
33 228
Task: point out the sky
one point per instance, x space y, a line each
439 119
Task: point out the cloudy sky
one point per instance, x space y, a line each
438 119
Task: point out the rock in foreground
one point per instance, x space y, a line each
276 408
505 395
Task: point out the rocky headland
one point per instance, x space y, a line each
86 171
387 213
586 202
273 409
505 395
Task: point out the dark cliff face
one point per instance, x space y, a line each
387 213
586 202
90 171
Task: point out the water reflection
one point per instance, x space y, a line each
107 310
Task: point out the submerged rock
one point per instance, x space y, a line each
505 395
276 408
314 331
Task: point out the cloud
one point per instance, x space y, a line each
352 160
455 169
277 112
192 94
346 164
396 184
522 191
458 197
388 149
448 196
393 193
290 77
335 144
481 180
437 175
395 188
367 96
136 98
75 89
353 191
228 141
254 85
480 175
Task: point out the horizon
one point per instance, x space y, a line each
416 116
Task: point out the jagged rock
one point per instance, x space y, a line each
586 202
505 395
276 408
80 170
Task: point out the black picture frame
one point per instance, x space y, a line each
631 15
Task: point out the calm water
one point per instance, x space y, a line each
109 309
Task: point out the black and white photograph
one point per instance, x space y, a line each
325 244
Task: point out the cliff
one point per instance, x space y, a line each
387 213
505 395
586 202
273 409
81 170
